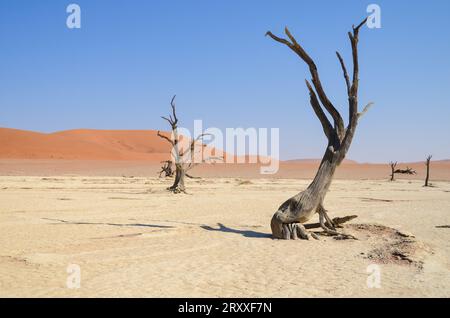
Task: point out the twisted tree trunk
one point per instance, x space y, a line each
287 221
178 184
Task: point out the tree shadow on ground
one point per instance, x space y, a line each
245 233
110 224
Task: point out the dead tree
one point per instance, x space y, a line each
427 163
406 171
400 171
184 157
393 165
287 221
166 169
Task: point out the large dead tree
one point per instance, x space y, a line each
427 163
287 221
184 156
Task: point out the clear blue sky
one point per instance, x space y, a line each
121 68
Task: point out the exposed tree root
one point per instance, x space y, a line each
296 231
329 227
337 221
192 177
176 189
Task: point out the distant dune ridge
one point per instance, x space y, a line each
316 161
87 144
139 152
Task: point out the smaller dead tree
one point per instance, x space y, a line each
393 165
400 171
427 163
185 158
166 169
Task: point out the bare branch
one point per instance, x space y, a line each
194 164
353 96
172 103
365 109
298 49
168 119
288 33
344 69
353 102
326 125
172 120
194 141
356 30
354 38
165 137
281 40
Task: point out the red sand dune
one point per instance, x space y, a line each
316 161
91 144
86 144
139 152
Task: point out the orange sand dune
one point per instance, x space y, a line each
315 161
84 144
91 144
139 152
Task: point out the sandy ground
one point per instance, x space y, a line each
132 238
440 170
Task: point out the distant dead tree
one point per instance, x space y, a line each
287 221
393 165
427 163
400 171
166 168
184 157
406 171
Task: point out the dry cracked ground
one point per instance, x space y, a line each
130 237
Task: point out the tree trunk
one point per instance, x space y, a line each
178 184
428 171
302 207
